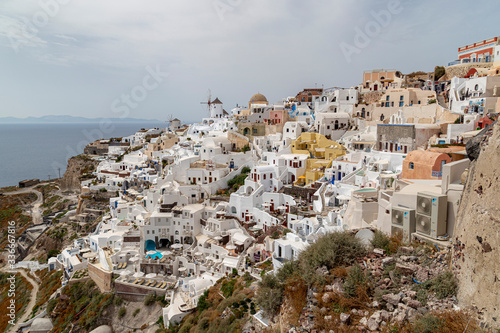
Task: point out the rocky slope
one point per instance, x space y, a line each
78 168
401 288
477 231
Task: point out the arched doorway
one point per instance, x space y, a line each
150 245
163 242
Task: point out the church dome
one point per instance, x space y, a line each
258 99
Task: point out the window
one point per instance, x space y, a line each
386 98
401 104
392 103
401 97
386 104
412 166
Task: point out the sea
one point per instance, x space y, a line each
41 151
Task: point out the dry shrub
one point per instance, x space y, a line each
395 242
442 322
320 324
340 303
456 321
295 294
339 272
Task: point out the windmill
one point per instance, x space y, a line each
208 102
169 121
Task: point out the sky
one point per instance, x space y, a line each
159 58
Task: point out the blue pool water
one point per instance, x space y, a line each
157 255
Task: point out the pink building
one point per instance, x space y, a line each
277 117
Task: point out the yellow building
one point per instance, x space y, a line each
321 151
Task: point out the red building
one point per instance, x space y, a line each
306 95
482 51
483 122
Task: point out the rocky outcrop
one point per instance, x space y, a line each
477 241
478 142
78 167
462 69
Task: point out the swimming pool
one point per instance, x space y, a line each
157 255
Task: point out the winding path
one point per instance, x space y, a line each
31 304
36 213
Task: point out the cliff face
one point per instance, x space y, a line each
78 167
477 231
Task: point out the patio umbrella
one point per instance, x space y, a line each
138 274
176 246
151 276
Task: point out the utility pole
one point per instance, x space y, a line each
59 169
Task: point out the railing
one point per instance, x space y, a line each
385 196
437 174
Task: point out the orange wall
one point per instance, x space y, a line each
423 170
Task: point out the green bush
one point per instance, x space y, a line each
422 296
428 324
202 302
245 170
270 295
227 287
51 305
355 278
237 181
122 312
149 299
380 240
53 253
136 311
443 285
117 300
439 71
332 250
203 324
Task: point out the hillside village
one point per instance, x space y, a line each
240 195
